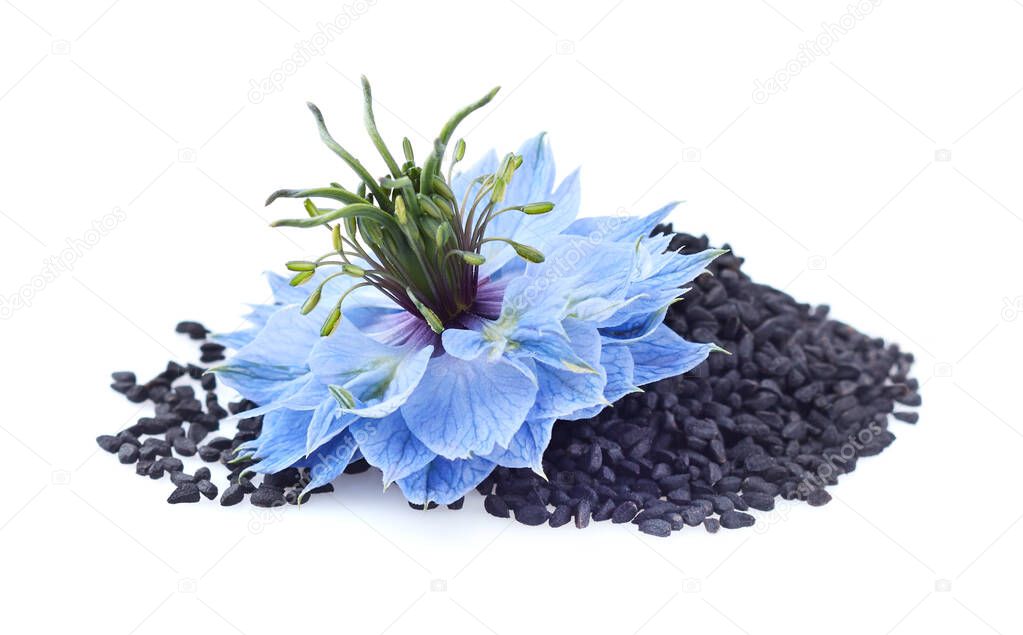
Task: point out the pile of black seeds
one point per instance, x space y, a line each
800 399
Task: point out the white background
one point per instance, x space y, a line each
884 180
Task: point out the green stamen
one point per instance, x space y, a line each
406 234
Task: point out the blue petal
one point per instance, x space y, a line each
273 364
562 392
263 383
533 182
463 408
281 441
665 354
594 277
257 317
283 292
380 376
389 445
235 339
618 362
527 446
465 344
535 177
444 481
330 460
617 228
654 294
327 422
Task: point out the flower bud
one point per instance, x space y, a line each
459 149
311 302
537 208
400 212
331 322
443 189
353 271
301 278
442 235
471 257
528 253
335 235
430 207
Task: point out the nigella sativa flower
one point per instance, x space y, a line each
477 311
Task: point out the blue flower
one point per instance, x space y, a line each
562 318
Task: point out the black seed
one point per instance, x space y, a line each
265 496
171 464
122 387
109 443
202 474
180 477
758 500
656 527
208 381
624 512
136 394
207 489
285 478
531 515
712 525
908 417
123 376
734 520
219 443
194 330
185 493
582 514
496 506
127 453
208 454
231 496
561 515
184 447
818 497
457 504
